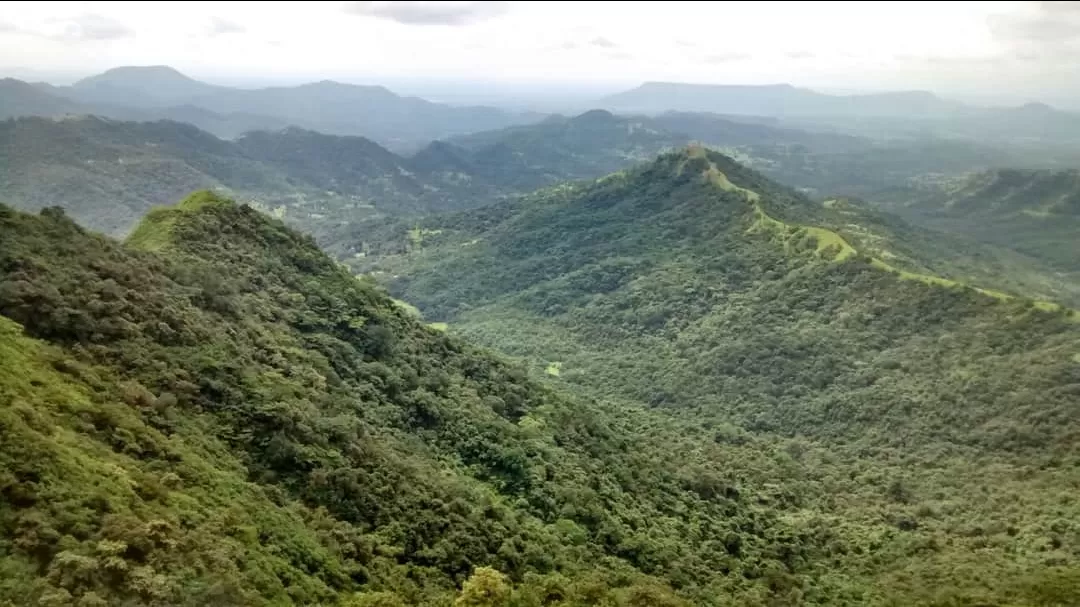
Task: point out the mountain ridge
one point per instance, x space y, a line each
775 99
153 92
1036 212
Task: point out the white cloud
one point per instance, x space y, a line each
429 13
92 26
822 44
219 27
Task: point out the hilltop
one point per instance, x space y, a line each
907 402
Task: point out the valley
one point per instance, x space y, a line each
685 344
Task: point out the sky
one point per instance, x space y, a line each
998 51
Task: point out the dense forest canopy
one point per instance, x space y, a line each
677 384
217 413
926 417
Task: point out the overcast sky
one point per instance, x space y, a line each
1004 50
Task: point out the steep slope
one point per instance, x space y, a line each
1035 212
217 413
949 254
109 173
933 421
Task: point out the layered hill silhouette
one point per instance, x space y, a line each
775 100
1036 212
701 289
902 114
109 173
161 92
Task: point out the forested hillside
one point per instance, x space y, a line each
1035 212
108 173
932 425
215 413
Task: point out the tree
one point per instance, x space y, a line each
485 588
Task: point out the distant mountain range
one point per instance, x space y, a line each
775 100
159 92
881 115
109 172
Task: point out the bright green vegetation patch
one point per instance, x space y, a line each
439 326
828 241
154 232
554 368
408 308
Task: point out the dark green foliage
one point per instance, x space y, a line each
218 414
108 173
919 438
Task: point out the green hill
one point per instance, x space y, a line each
108 173
1035 212
216 413
931 426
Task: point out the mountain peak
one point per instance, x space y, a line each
142 73
594 116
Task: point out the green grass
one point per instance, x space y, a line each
409 309
154 232
828 240
439 326
554 369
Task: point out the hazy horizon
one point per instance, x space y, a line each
957 50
